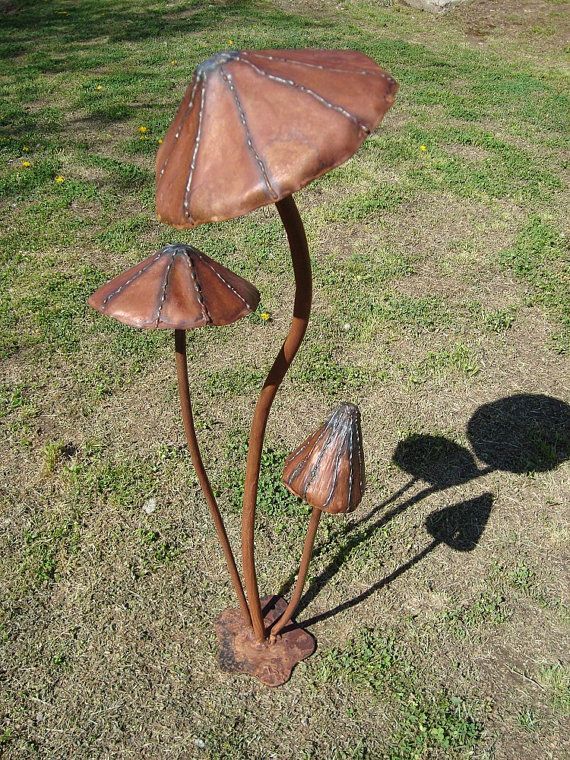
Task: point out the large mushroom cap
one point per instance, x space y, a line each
256 125
177 288
327 470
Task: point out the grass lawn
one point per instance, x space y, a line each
441 307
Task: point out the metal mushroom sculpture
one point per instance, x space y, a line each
180 288
253 128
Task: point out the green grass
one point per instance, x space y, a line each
459 359
527 719
428 719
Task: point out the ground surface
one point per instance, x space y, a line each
440 607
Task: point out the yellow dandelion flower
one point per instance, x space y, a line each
159 141
265 316
26 148
143 130
173 62
230 42
59 179
99 87
423 148
26 164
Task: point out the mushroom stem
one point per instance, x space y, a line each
191 439
301 578
301 311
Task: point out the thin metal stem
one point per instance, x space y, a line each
301 311
191 439
302 577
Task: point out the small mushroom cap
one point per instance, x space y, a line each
255 126
177 288
327 470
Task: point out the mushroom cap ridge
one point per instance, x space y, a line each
255 126
177 288
327 469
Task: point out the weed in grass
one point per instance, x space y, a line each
6 736
46 548
286 511
156 551
489 608
507 172
499 320
523 578
317 366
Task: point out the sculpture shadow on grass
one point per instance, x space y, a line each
460 527
519 434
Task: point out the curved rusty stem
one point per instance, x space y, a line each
301 311
191 439
302 577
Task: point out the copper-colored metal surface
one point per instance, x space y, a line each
188 420
327 470
255 126
177 288
301 578
269 661
301 311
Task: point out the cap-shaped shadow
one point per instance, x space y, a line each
521 433
460 526
435 460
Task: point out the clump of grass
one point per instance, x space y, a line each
54 453
556 678
528 719
539 258
233 381
459 359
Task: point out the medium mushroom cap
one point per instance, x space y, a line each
177 288
255 126
327 470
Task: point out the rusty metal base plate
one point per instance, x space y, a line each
272 663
